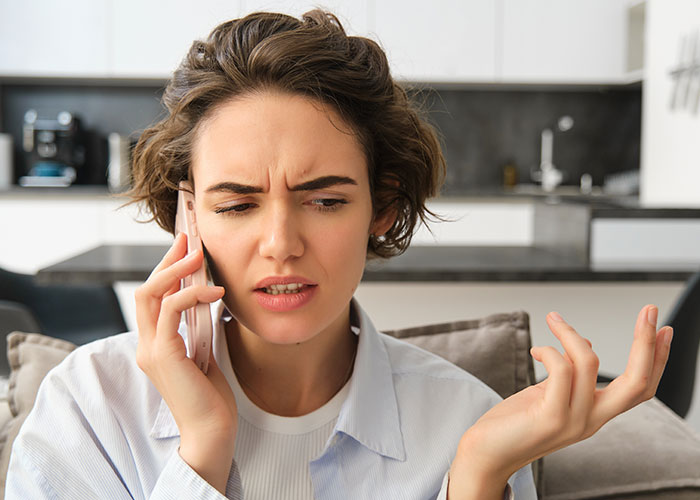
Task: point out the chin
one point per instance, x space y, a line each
283 331
286 328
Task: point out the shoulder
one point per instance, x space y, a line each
99 379
425 376
102 362
437 402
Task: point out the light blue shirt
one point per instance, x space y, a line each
100 429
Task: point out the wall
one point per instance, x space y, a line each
670 137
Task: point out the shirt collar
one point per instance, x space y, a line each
370 414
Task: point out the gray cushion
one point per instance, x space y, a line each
495 349
647 452
31 356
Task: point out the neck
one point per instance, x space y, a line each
292 379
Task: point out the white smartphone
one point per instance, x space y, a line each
198 318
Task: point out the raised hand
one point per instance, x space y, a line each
561 410
203 406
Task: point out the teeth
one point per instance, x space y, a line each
290 288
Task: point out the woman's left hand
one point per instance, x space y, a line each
561 410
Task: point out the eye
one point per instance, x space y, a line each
234 210
328 204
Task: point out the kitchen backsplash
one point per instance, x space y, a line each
482 130
485 130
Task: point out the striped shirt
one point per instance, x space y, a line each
99 429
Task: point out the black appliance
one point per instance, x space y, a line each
60 151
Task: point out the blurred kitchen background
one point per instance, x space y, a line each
571 130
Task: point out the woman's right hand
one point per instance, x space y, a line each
203 406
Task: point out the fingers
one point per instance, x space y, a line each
661 353
641 356
163 282
174 253
174 305
159 284
647 359
584 364
636 380
557 386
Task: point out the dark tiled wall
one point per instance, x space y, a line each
484 129
481 129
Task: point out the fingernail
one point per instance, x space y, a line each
191 255
668 336
555 316
652 314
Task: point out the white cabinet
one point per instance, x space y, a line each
50 38
440 40
466 41
353 15
153 43
564 41
44 229
149 39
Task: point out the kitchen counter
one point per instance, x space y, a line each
442 263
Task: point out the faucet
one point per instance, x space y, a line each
549 175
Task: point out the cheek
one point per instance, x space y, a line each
342 247
226 248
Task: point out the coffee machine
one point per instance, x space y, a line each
59 152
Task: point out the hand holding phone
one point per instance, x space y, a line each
198 318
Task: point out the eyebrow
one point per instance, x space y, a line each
312 185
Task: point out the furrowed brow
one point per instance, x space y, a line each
323 182
233 187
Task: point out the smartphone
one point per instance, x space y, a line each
198 318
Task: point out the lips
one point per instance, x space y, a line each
284 293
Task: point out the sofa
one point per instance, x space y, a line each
646 453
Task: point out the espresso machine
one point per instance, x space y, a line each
59 152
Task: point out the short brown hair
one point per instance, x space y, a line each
312 57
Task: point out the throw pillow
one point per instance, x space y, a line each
31 356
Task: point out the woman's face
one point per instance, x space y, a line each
283 201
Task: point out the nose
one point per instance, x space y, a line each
281 237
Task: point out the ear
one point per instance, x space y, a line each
382 222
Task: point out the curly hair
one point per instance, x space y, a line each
312 57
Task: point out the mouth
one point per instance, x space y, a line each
289 288
284 293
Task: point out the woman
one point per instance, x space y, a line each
305 159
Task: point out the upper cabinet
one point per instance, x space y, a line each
564 41
440 40
353 15
153 43
468 41
56 39
149 39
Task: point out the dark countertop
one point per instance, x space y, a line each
109 263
